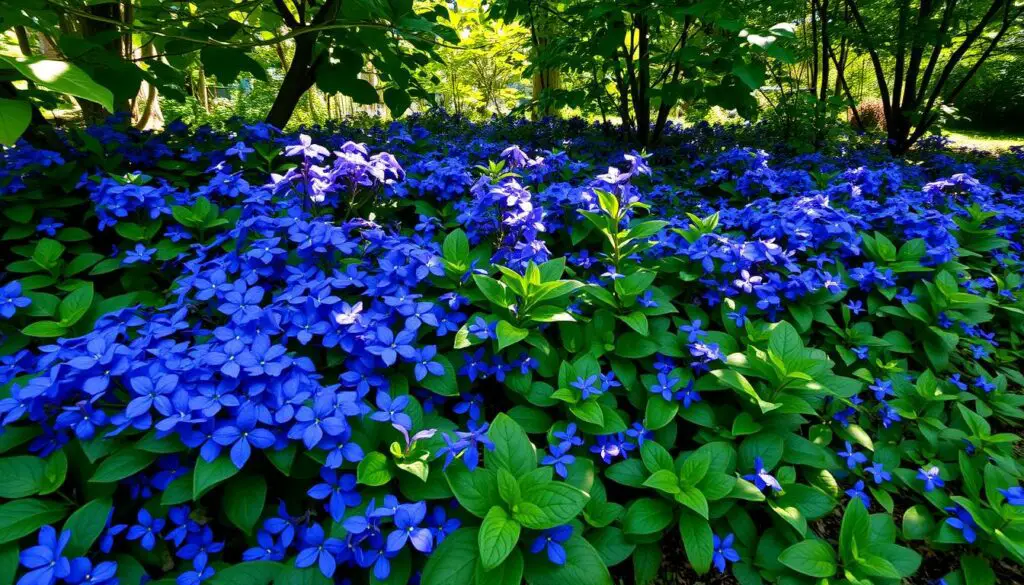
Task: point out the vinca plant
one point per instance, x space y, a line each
448 353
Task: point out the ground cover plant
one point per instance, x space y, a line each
449 353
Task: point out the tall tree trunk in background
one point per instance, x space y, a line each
301 73
151 117
202 93
94 113
544 79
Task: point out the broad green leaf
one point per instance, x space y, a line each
810 557
499 534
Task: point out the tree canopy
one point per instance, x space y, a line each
640 64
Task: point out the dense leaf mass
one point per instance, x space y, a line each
449 353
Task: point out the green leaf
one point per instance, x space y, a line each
374 470
509 334
810 557
244 498
512 448
583 566
475 490
454 561
208 475
250 573
62 77
445 384
8 563
693 499
663 480
54 473
76 305
124 463
611 544
917 523
397 101
854 531
977 571
360 91
550 503
499 534
45 329
456 248
21 476
15 116
647 516
23 517
698 541
227 62
86 525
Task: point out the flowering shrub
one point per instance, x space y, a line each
421 354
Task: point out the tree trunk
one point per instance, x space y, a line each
202 93
297 81
93 113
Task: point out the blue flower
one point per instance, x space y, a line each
551 540
559 458
46 560
338 489
320 550
240 150
853 458
962 521
761 478
665 386
11 299
688 395
441 525
857 491
408 528
1014 495
568 438
140 254
200 572
84 573
724 551
879 473
242 436
147 529
611 446
882 389
586 386
391 410
470 404
425 363
930 478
